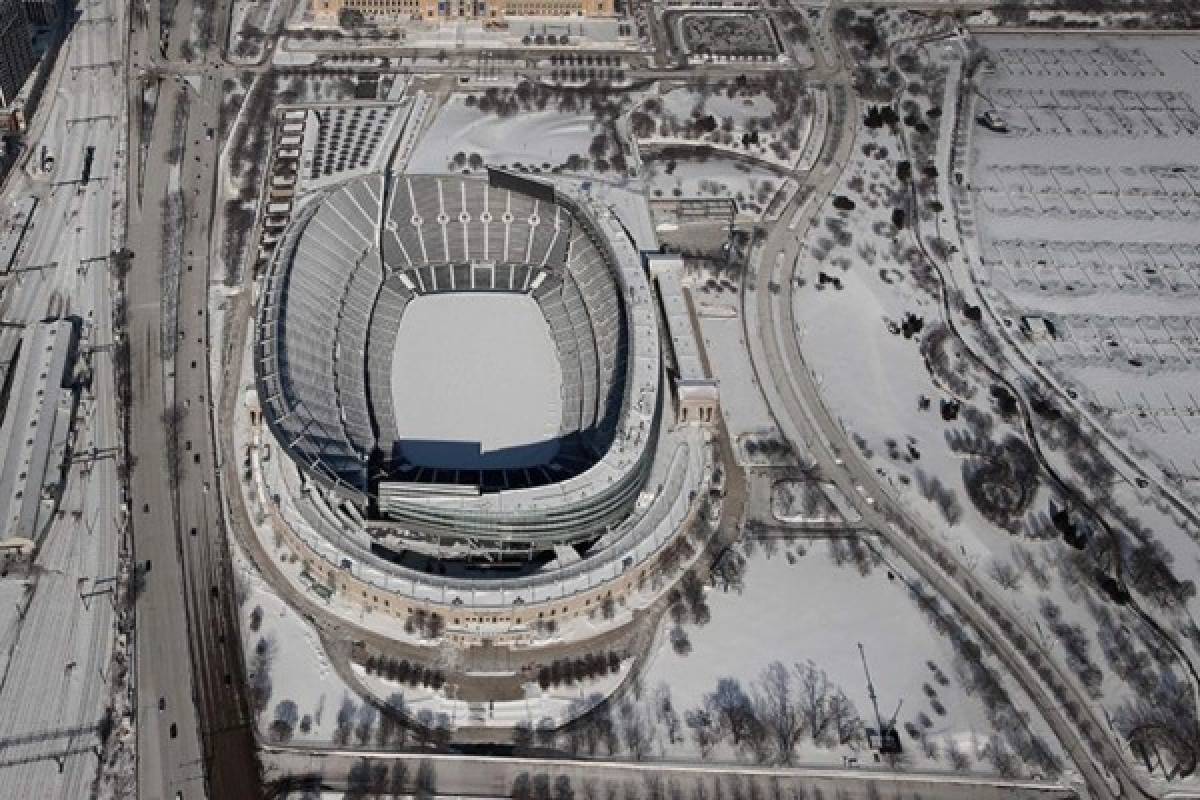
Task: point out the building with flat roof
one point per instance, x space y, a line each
696 394
35 432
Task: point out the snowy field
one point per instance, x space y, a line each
290 677
249 21
752 187
807 604
745 121
745 111
476 382
805 502
1086 211
538 138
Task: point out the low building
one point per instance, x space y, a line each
696 394
397 10
35 434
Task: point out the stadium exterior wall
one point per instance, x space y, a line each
511 621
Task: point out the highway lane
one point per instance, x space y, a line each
216 646
169 752
189 653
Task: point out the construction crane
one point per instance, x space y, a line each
889 740
892 722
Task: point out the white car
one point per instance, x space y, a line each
859 488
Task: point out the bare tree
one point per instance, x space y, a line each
345 720
815 691
634 733
704 731
779 709
358 780
388 726
260 673
397 780
284 725
523 734
732 708
426 784
846 721
960 760
1005 574
522 787
666 713
366 724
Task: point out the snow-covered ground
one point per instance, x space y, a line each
544 138
298 671
813 602
742 405
249 22
751 186
1050 19
744 121
500 401
548 707
1082 232
805 502
536 138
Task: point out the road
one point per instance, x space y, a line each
194 727
484 776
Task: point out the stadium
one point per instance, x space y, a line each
469 369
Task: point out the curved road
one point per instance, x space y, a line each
796 403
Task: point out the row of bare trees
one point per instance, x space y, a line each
784 706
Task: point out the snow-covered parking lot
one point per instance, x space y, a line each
1087 214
